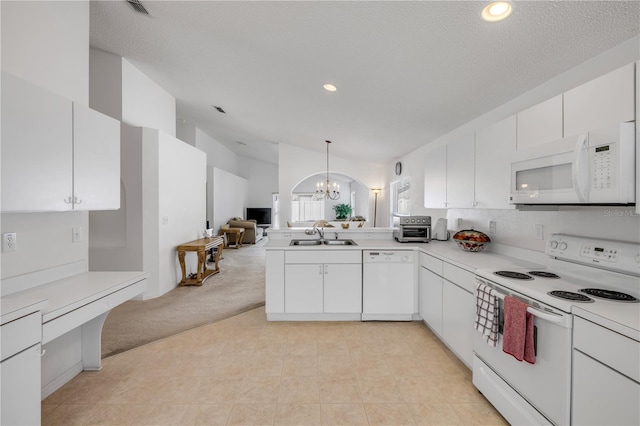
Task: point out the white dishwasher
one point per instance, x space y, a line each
388 285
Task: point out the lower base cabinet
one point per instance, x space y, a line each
20 370
323 282
458 312
447 305
20 377
430 296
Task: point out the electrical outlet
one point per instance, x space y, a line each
76 236
539 231
460 223
9 242
165 220
492 227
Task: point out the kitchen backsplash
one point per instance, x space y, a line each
518 228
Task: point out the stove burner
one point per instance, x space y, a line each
515 275
609 294
544 274
569 295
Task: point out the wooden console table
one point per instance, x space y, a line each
238 234
200 246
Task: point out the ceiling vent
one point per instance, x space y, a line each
138 7
219 109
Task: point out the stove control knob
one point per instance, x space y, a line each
563 246
553 244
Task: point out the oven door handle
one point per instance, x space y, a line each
544 315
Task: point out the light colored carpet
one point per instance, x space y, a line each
238 287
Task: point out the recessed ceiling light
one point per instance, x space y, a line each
497 11
330 87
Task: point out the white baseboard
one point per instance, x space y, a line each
313 317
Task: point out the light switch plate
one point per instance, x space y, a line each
76 234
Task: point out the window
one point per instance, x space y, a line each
305 207
400 197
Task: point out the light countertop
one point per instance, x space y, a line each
447 251
67 294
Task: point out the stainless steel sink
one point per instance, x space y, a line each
340 243
322 242
305 243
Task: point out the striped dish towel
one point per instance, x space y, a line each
487 313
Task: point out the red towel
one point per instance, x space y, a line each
518 331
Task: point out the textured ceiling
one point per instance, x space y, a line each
406 72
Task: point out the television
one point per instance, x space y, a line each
262 215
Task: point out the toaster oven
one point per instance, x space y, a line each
413 229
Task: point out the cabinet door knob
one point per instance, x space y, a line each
77 200
320 269
326 269
68 200
40 351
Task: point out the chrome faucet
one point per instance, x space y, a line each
319 231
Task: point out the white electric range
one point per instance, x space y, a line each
599 277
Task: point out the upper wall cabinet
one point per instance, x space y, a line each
495 146
435 178
460 172
96 160
540 124
56 155
602 102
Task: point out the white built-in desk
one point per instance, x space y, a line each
80 301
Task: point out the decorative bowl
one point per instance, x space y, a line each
344 225
471 240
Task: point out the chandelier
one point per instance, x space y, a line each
326 191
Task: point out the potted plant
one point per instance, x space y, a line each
342 211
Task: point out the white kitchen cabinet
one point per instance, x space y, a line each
96 160
540 124
304 288
20 371
323 281
606 376
602 102
495 146
460 172
342 288
274 281
430 294
447 304
458 310
56 155
435 178
638 137
36 147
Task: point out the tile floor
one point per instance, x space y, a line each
247 371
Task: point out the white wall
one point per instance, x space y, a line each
186 132
105 83
47 43
181 188
230 197
263 181
297 164
514 227
145 103
105 254
218 155
37 48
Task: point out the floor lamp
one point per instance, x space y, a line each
375 204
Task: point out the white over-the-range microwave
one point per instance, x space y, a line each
597 167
